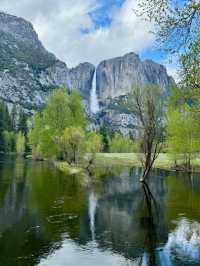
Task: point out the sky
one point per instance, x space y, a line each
79 31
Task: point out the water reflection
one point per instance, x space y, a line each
92 212
50 219
184 241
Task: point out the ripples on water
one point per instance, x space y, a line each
50 219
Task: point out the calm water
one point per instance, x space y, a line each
47 218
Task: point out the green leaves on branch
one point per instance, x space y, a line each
58 132
20 144
182 129
120 144
72 144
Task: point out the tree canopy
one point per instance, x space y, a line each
176 22
59 130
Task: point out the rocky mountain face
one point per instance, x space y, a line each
116 77
28 73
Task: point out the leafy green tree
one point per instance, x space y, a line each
35 134
120 144
146 104
41 138
5 123
62 111
13 117
22 122
105 139
9 141
190 67
76 108
93 146
20 144
183 134
57 114
72 144
176 23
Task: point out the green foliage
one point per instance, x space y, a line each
36 132
9 140
105 139
190 66
5 123
20 144
120 144
182 129
22 122
56 129
63 110
176 22
94 142
57 114
75 106
42 138
72 144
13 118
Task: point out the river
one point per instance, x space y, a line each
50 219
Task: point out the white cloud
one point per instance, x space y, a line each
174 72
58 24
173 67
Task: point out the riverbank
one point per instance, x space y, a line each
104 160
68 169
164 161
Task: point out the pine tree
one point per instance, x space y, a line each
13 117
105 139
22 123
5 123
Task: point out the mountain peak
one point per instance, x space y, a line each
20 29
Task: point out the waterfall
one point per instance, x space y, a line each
92 213
94 104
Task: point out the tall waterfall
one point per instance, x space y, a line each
94 104
92 212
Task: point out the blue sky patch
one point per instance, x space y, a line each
102 15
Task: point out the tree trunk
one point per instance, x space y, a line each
147 168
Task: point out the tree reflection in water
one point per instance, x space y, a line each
148 221
115 221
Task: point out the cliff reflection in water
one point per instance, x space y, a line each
50 219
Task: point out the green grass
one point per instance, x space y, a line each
164 161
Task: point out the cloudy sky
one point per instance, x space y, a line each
88 30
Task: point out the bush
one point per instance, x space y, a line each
20 144
120 144
9 139
71 144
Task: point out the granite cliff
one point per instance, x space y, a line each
116 77
28 73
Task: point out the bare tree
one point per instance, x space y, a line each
176 22
147 106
